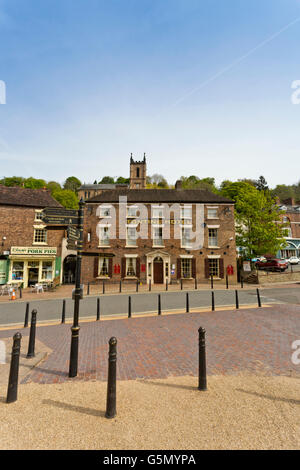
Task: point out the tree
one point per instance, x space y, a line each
258 219
72 183
261 184
13 181
107 180
283 192
66 198
122 180
156 181
53 185
193 182
34 183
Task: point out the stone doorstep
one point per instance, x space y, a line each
25 365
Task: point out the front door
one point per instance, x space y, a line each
33 276
158 271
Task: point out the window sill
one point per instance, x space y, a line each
40 243
213 247
103 277
158 246
131 246
104 246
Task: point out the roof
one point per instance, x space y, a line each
289 208
161 196
17 196
102 186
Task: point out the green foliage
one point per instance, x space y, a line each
122 180
193 182
72 183
156 181
34 183
66 198
258 224
53 185
107 180
13 181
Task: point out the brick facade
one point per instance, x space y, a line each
170 255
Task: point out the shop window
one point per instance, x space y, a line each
47 271
40 235
17 271
186 268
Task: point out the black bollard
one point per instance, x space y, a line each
20 291
212 281
181 284
120 286
213 301
202 361
88 289
149 285
98 309
258 298
26 315
236 300
159 305
196 285
12 390
129 307
103 288
187 303
226 281
31 344
166 284
137 285
111 379
63 313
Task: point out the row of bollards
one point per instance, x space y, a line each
63 314
12 390
166 284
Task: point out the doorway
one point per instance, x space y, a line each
69 268
33 276
158 270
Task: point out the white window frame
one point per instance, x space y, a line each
103 260
35 233
103 239
213 241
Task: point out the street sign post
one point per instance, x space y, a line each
59 216
77 293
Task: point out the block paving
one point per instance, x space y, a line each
255 340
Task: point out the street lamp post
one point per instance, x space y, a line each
77 296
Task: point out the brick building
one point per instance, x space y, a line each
30 251
291 216
158 235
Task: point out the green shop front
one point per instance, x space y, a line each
33 265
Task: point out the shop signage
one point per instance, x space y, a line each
31 250
73 233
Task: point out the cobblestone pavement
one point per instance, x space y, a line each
254 340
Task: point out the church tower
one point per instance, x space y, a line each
137 173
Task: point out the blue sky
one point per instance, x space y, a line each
203 87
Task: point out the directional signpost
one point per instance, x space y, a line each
73 237
59 216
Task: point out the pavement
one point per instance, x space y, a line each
252 401
158 346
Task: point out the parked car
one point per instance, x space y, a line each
272 265
294 260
